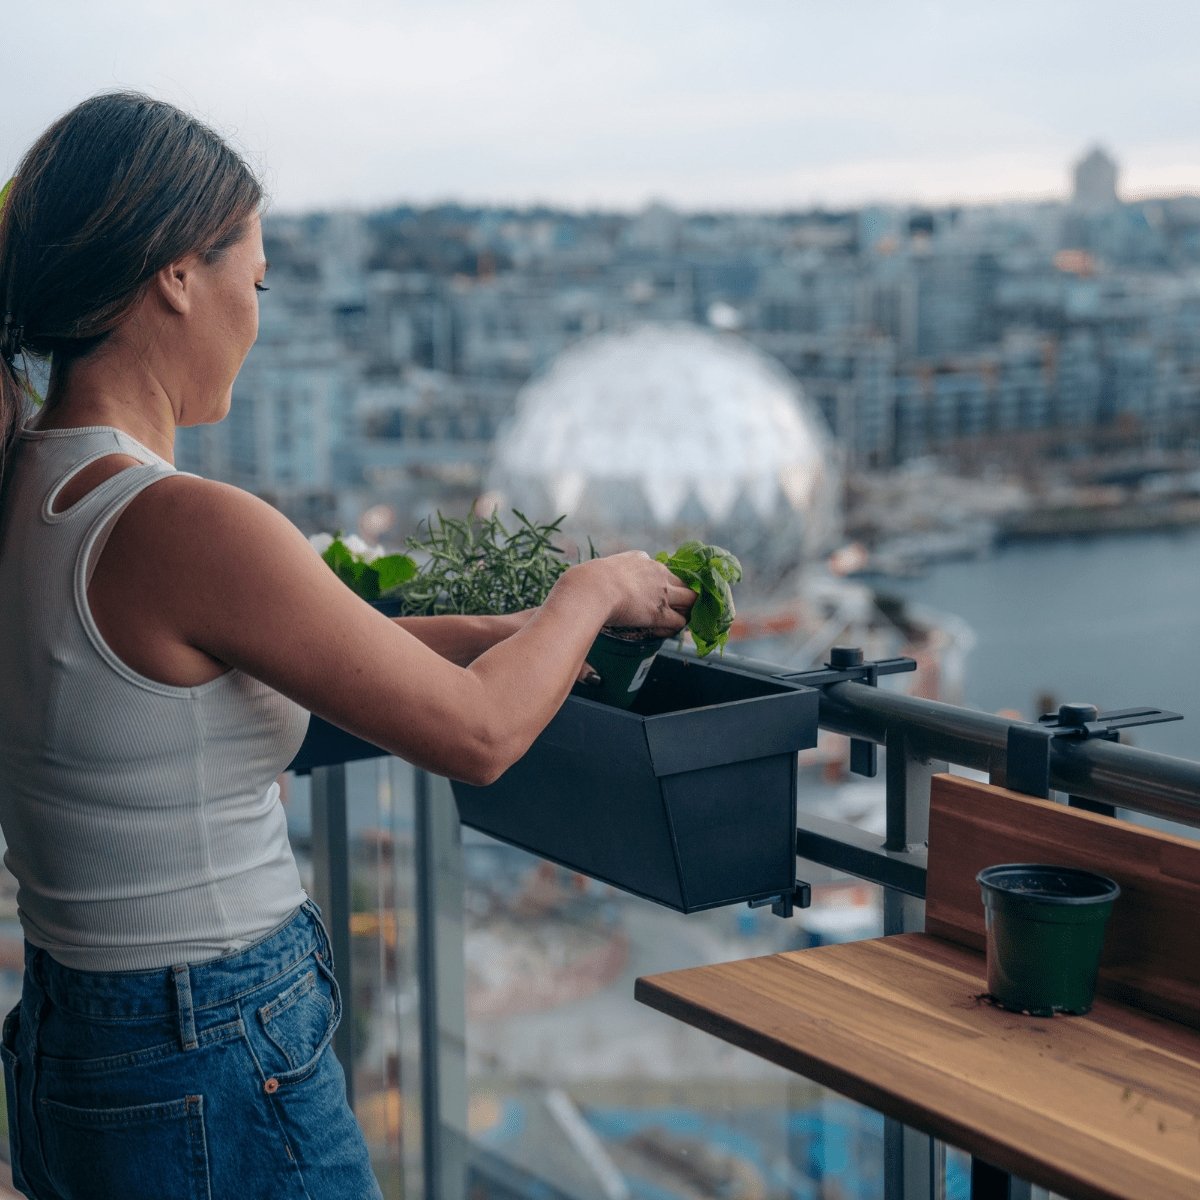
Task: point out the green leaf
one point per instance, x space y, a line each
366 580
362 578
393 570
337 553
691 556
725 564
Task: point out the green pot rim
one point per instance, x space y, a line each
1100 888
634 646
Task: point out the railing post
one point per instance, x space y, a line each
908 777
331 888
914 1163
990 1183
442 977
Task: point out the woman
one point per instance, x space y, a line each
165 638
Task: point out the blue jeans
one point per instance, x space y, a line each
212 1081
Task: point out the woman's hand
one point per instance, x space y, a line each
642 593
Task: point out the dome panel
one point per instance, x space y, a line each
665 493
565 490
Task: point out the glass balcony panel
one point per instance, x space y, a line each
12 970
381 1004
577 1091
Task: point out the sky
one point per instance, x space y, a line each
731 104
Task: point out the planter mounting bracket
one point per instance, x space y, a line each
846 665
1027 765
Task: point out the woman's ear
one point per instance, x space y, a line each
174 284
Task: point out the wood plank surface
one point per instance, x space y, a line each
1100 1107
1152 947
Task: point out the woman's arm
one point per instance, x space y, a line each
224 573
462 639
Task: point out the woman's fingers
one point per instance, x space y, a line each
681 598
654 596
673 606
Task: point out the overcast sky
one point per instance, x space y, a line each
702 103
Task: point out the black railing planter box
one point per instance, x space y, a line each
327 745
687 799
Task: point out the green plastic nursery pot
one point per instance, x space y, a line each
1045 932
622 664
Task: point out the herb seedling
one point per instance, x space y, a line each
710 572
478 565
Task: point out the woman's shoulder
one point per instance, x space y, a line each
204 564
193 519
185 552
181 492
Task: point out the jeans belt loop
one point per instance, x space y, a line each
325 946
183 1000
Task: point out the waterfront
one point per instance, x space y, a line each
1112 620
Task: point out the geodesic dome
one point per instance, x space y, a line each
649 437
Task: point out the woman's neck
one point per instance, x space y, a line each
86 397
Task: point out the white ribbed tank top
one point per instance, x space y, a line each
143 821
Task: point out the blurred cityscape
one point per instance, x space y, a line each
1052 348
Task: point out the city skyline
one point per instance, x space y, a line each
774 106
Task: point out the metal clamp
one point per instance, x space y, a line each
1027 766
846 665
783 906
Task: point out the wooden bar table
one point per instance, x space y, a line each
1104 1106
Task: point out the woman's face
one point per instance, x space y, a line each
224 324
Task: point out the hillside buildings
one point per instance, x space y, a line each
394 344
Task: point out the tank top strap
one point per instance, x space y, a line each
64 457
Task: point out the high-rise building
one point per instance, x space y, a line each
1095 177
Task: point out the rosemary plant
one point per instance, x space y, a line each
479 565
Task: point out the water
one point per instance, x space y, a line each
1112 621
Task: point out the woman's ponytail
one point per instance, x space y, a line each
12 407
12 389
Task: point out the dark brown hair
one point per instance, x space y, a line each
111 193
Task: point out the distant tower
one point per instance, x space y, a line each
344 248
1095 181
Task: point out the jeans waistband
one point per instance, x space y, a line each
156 993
